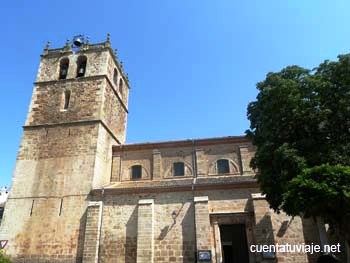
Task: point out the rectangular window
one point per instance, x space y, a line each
223 166
136 172
66 99
179 169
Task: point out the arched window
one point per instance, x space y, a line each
66 99
115 77
121 86
222 166
64 64
81 66
136 172
179 169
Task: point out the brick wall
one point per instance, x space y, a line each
157 163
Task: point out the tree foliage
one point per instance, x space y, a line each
300 123
4 259
320 191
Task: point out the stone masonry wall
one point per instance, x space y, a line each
64 153
174 240
295 231
93 97
51 160
145 231
202 219
113 114
103 160
47 102
92 232
44 229
272 228
45 215
119 84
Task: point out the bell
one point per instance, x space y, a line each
78 41
64 72
81 71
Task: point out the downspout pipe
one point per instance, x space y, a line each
101 223
120 163
194 165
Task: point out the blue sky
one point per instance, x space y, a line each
193 64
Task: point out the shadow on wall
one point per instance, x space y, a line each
131 238
283 228
184 217
188 235
334 238
81 238
249 206
264 234
164 232
264 230
311 235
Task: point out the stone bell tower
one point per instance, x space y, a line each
77 112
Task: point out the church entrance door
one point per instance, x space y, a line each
234 243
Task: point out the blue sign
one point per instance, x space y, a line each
204 255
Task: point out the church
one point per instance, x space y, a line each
81 194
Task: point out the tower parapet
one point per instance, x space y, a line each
85 47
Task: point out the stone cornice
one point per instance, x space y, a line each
181 143
156 187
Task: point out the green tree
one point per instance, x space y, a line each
4 259
300 124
